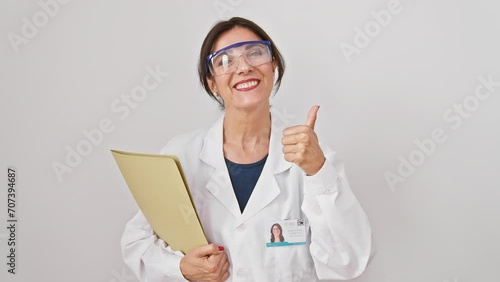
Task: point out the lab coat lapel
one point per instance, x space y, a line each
265 191
219 183
267 188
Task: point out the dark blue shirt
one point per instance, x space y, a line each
244 177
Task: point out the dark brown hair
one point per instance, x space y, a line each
282 239
217 30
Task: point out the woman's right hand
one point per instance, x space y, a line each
205 263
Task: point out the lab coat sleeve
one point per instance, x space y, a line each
149 257
340 231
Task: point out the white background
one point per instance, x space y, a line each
440 224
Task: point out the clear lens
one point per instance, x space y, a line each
227 61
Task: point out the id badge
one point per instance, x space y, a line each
283 233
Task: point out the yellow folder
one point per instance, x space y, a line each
160 189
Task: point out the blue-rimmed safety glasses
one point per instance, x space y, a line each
226 60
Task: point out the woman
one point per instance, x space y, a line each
247 170
277 233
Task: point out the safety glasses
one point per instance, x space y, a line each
226 60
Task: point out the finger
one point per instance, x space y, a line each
299 148
220 265
226 276
289 157
220 259
295 138
296 156
226 266
223 269
296 129
223 274
311 116
288 149
207 250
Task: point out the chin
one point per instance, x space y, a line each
253 99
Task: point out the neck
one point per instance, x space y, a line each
247 129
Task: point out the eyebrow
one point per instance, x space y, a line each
228 51
248 46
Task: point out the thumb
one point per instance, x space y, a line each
207 250
311 116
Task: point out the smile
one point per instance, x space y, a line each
247 85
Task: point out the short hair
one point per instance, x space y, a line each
220 28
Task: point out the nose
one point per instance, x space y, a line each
243 65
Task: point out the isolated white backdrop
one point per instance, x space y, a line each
67 73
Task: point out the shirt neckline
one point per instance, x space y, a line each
262 161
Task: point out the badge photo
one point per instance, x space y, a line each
285 233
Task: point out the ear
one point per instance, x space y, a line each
212 85
274 64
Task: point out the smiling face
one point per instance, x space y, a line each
249 87
276 231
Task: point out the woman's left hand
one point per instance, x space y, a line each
300 145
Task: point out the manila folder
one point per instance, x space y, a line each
159 188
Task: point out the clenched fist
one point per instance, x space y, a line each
205 263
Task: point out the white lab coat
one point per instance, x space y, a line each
338 240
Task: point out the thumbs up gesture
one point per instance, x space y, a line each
300 145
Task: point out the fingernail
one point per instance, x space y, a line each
221 248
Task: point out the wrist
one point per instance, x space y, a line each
317 167
182 267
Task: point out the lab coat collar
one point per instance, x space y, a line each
212 151
266 189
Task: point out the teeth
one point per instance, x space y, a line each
246 85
